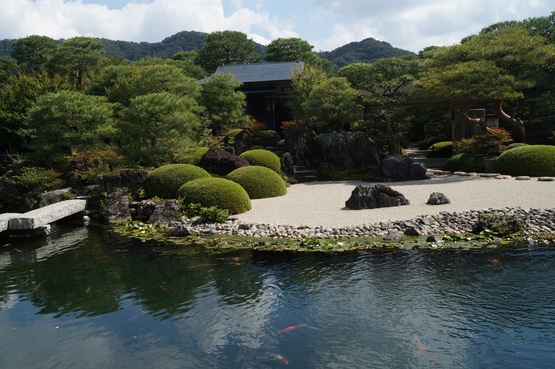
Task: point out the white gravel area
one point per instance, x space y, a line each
323 203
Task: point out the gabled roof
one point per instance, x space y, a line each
261 72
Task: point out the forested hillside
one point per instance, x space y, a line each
364 51
181 41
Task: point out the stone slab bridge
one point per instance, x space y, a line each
40 218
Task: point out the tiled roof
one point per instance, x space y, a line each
260 72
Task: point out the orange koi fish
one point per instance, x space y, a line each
423 348
165 289
289 329
495 261
281 358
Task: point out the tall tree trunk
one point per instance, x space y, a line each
516 125
478 121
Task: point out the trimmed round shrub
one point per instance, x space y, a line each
440 150
191 156
263 158
220 192
166 180
516 144
462 162
259 182
531 160
266 137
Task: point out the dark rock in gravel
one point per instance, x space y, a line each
437 198
375 196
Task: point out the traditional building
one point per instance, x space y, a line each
268 88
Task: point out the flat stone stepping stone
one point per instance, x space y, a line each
523 178
546 179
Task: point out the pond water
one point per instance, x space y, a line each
82 299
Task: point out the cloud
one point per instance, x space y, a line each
151 22
326 24
415 24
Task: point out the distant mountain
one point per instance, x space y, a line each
363 51
181 41
366 50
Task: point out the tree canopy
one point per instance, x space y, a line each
227 47
496 67
288 49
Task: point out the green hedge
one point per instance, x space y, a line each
440 150
166 180
220 192
259 182
263 158
531 160
462 162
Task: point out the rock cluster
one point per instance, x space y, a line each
536 220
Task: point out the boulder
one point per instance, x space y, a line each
52 197
178 229
400 168
348 149
243 142
437 198
129 179
375 196
117 207
300 142
142 210
287 164
221 162
166 212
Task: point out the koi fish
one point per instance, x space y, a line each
16 249
6 245
281 358
165 289
289 329
495 261
423 348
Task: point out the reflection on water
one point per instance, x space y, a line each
84 299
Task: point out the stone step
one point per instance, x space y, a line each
305 174
307 179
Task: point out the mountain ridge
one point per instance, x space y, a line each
366 50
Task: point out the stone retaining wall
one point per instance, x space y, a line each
536 221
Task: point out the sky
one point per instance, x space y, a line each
325 24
